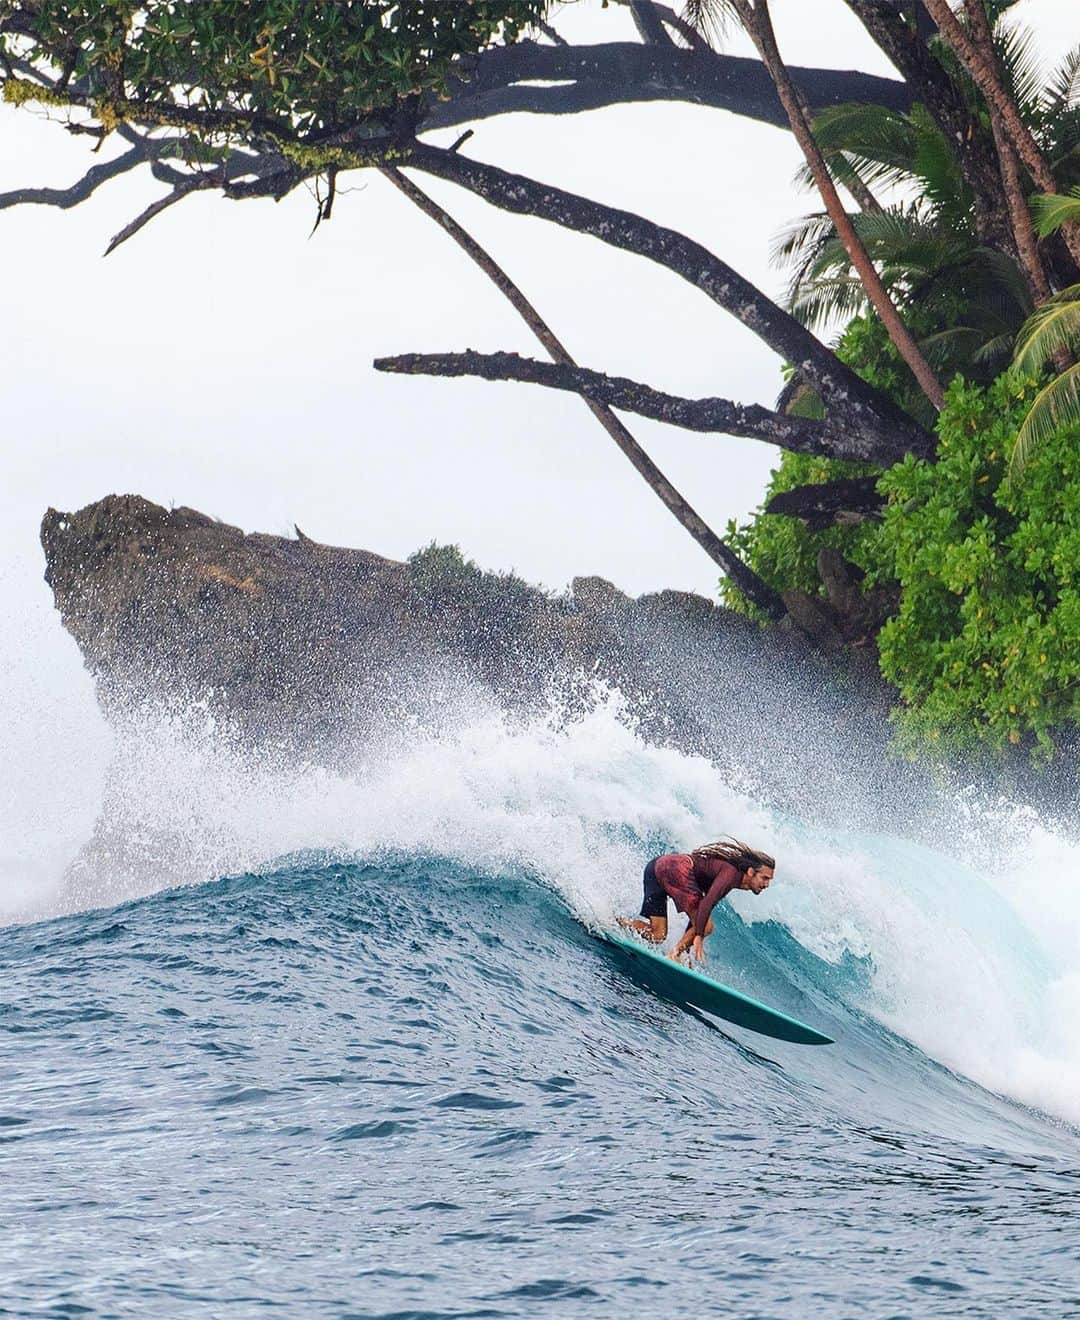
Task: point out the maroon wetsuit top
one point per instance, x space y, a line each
696 884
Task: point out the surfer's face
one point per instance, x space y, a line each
757 881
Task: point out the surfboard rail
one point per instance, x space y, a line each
675 981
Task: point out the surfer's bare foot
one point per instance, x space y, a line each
641 926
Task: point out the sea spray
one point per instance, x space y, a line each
975 969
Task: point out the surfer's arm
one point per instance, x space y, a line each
689 937
727 880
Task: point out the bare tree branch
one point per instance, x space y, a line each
879 430
677 23
194 183
800 434
614 73
65 198
649 23
551 34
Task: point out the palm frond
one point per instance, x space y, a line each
1056 406
937 168
1021 69
710 19
1004 276
818 301
948 347
1051 329
805 235
1063 92
994 353
1052 210
864 142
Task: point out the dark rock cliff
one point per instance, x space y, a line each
297 644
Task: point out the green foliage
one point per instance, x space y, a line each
468 606
1051 333
784 550
304 68
1052 210
984 647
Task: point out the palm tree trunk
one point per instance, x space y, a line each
756 20
905 45
982 66
741 574
1027 245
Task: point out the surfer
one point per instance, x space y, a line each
696 882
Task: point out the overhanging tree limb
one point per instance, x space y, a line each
800 434
193 183
615 73
880 431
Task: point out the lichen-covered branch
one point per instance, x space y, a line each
801 434
880 431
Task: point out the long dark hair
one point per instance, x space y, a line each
739 854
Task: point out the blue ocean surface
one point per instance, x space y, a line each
406 1090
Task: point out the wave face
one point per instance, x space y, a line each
384 1070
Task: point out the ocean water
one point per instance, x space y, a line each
369 1061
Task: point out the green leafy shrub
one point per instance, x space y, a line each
984 649
289 64
784 550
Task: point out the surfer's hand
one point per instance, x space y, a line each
699 948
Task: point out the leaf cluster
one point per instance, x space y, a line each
784 550
309 68
983 648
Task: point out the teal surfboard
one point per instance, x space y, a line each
684 985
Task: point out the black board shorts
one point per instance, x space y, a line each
654 903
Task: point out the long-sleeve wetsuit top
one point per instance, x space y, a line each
696 884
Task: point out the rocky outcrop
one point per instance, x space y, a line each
303 645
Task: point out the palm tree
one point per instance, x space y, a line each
708 18
974 48
1050 333
969 299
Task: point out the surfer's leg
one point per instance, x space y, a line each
652 925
